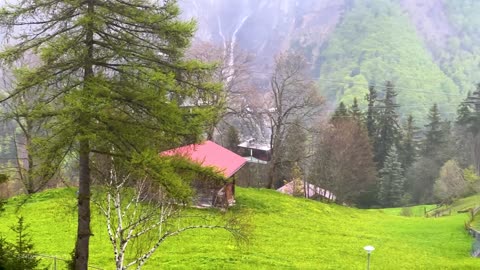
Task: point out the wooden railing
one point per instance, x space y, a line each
474 232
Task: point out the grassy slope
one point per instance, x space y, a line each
418 210
289 233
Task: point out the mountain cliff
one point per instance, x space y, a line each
265 27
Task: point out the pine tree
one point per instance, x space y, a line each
434 137
463 113
21 254
391 184
355 111
388 133
24 247
232 139
468 119
468 113
371 98
409 143
115 77
465 138
340 113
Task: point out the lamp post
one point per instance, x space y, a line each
369 250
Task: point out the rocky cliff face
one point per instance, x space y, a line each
430 20
265 27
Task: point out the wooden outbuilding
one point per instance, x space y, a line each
226 162
309 191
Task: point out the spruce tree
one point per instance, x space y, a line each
371 98
355 111
437 147
21 254
392 181
434 137
468 119
469 111
409 143
388 133
233 139
464 137
340 113
463 113
115 77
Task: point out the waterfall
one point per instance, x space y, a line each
230 50
220 32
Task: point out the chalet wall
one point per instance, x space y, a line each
252 175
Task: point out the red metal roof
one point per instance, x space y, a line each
209 153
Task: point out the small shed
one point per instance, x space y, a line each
255 152
210 154
311 191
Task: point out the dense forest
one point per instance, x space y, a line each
395 162
376 42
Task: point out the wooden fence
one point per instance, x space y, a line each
474 232
51 262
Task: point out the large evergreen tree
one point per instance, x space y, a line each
115 80
437 147
473 119
371 98
434 135
468 118
232 139
391 184
355 111
340 112
409 143
388 130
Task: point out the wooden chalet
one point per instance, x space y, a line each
228 163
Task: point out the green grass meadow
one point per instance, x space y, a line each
287 233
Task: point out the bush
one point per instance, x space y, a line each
406 212
2 205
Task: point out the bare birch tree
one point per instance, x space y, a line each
140 214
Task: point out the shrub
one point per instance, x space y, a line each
406 212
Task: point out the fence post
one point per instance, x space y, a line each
54 263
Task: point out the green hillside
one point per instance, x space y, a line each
289 233
376 42
460 58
